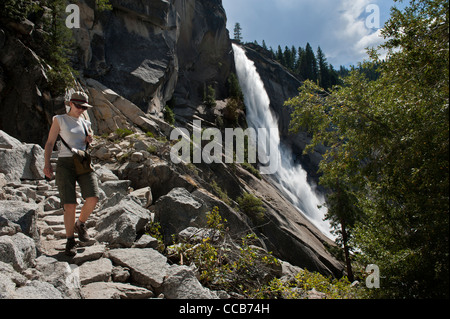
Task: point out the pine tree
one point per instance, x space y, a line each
323 72
288 59
280 56
311 63
264 45
238 32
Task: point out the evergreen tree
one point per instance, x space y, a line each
238 32
311 64
279 56
300 62
264 45
323 72
288 58
387 160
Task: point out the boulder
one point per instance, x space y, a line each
196 235
89 253
114 290
94 271
37 290
119 226
144 195
20 161
104 174
147 266
18 250
9 280
182 283
115 186
146 241
60 274
178 210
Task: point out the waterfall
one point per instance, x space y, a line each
290 178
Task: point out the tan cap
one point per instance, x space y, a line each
80 98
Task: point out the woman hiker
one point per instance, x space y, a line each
75 132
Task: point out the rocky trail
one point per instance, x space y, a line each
39 268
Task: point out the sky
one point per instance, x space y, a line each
342 28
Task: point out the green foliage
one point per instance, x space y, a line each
252 206
58 46
388 147
16 10
220 192
252 169
237 32
123 132
235 103
307 65
215 221
169 115
234 88
152 149
154 229
223 264
103 5
304 282
231 112
209 97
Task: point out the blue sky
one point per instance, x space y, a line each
339 27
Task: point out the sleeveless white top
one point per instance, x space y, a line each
72 132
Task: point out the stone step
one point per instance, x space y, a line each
57 212
54 220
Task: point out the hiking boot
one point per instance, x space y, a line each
71 247
81 229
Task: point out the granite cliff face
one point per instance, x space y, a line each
153 51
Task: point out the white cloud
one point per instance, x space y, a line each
337 26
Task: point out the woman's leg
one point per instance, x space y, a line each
89 189
69 219
88 208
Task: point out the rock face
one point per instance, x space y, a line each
25 102
131 49
147 51
204 50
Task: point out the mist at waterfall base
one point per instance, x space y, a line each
290 178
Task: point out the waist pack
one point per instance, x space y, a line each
81 159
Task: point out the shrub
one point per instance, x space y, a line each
169 115
224 264
123 132
209 98
252 206
305 281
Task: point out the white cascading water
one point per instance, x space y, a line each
290 178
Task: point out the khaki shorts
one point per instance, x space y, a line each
66 179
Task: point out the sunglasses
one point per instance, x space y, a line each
80 107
